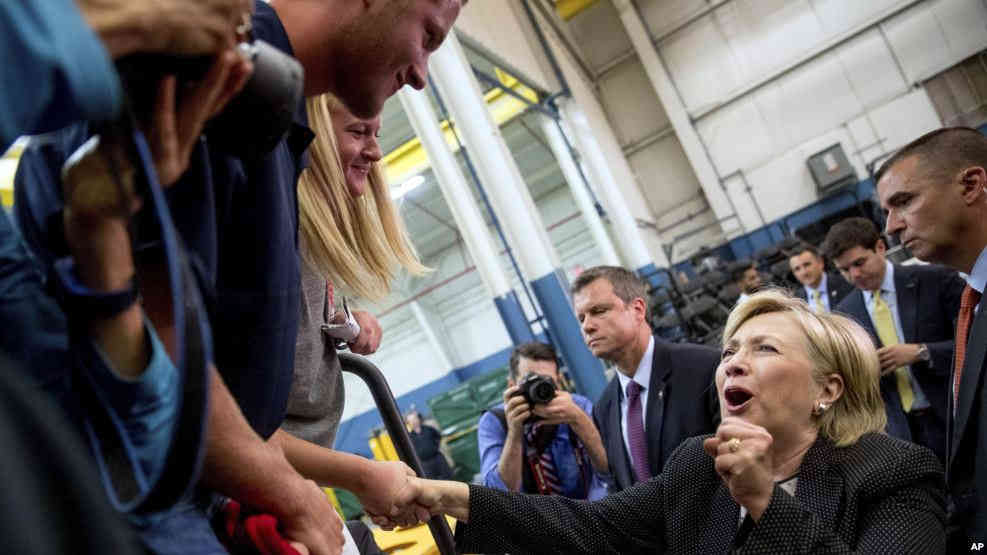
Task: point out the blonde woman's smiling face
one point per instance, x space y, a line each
358 147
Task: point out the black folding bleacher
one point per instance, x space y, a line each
781 273
729 294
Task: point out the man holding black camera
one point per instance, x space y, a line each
541 439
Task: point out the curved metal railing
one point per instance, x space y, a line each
374 378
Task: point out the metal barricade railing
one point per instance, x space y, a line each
374 378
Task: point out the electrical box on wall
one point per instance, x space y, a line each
831 170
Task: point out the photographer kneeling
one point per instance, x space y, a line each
542 439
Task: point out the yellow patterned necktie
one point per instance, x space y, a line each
884 322
817 298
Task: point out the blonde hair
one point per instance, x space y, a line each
834 344
357 243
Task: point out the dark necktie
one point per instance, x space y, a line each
549 477
968 301
635 432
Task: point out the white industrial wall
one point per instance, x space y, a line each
461 312
766 82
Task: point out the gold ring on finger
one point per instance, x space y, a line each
734 445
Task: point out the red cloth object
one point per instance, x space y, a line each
253 534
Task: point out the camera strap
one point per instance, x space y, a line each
131 488
539 457
537 453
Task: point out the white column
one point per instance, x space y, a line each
433 339
498 172
627 233
694 149
456 191
579 191
610 172
515 210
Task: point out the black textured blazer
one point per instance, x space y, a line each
682 403
968 441
881 495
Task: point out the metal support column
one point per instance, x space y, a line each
501 178
580 190
433 338
693 146
627 234
468 218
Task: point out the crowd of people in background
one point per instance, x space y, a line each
175 308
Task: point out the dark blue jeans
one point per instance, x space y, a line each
184 530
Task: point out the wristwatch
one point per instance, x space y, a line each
923 353
79 301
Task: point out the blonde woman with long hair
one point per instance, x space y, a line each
353 243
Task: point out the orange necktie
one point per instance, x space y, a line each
968 301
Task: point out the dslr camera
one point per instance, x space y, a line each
537 389
254 121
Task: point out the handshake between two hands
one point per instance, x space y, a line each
404 500
414 503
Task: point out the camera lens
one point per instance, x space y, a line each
538 389
543 392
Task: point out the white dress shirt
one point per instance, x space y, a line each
643 378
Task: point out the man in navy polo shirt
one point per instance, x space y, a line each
363 53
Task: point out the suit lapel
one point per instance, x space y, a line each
858 309
839 288
976 350
620 461
724 518
655 420
906 296
817 486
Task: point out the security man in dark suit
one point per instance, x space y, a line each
662 394
821 289
909 311
935 193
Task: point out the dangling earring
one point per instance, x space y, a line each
820 408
